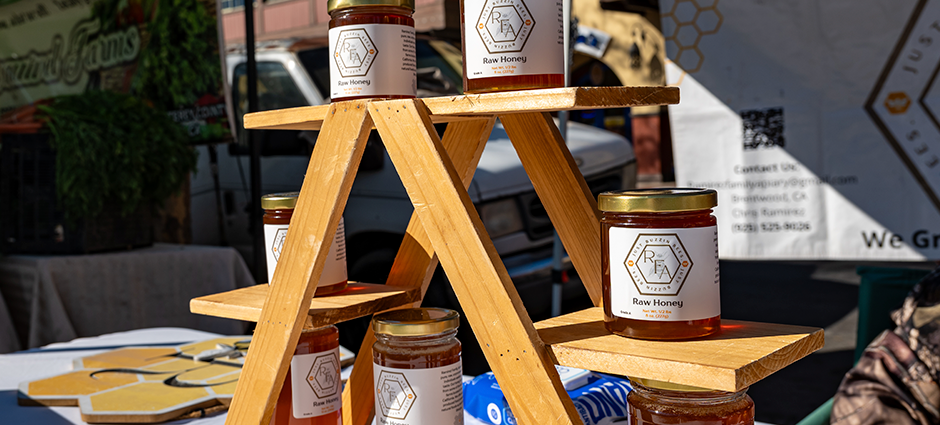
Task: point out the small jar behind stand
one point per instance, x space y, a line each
660 403
372 49
312 392
659 255
278 210
417 367
512 45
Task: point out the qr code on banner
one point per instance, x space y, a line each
763 128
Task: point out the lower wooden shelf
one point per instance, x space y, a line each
741 354
359 299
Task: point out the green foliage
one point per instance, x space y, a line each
114 147
180 61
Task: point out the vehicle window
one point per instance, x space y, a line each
276 90
440 54
315 62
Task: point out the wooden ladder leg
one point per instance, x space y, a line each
415 263
562 190
523 366
326 187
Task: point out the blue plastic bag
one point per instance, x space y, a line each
600 399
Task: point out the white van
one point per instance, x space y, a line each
294 73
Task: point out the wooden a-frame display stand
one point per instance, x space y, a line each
445 227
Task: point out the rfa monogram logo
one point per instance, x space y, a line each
394 394
355 53
323 375
505 25
279 237
658 264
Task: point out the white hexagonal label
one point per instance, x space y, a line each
280 235
505 26
394 395
418 396
513 38
372 60
354 53
315 384
658 264
663 274
323 376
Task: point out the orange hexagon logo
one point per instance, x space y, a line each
897 102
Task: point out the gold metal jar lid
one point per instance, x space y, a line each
332 5
279 201
415 321
657 200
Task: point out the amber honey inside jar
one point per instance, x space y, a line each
312 391
373 53
512 45
660 263
278 211
417 367
660 403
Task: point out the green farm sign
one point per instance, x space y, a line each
163 51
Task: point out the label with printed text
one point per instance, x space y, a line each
372 60
334 271
315 384
664 274
418 396
513 37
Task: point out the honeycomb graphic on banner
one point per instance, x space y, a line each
684 25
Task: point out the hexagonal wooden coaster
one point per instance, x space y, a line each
144 384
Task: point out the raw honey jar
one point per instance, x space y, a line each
512 45
660 263
660 403
417 369
312 392
278 209
372 49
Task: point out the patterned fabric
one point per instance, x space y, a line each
896 380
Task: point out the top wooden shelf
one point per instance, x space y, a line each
463 107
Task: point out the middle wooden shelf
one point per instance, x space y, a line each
357 300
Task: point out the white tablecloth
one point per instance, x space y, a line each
57 358
59 298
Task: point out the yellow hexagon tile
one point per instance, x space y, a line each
126 357
144 384
62 390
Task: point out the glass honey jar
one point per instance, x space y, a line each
660 403
659 254
278 210
372 49
417 367
312 392
512 45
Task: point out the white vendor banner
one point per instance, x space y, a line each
816 122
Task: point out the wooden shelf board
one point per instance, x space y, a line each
359 299
738 356
464 107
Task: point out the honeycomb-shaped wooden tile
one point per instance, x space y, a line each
144 384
